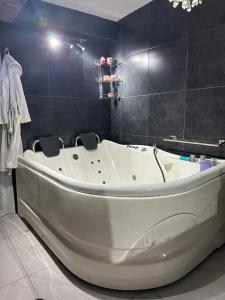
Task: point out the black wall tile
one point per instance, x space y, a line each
116 118
205 115
166 23
28 48
167 67
166 114
66 72
208 15
40 109
135 116
98 117
69 116
135 75
134 31
206 66
135 139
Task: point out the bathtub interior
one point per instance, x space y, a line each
113 164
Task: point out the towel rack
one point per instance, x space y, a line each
173 139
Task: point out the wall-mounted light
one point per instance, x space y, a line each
54 41
81 47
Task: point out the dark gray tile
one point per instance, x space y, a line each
28 48
116 138
93 52
205 115
206 63
98 117
135 139
166 114
166 23
135 116
116 118
135 75
208 15
69 116
40 109
167 67
66 72
134 31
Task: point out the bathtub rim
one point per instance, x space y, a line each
137 190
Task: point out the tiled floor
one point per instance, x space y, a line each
28 271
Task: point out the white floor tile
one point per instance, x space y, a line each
19 290
52 284
10 268
3 235
31 253
215 262
14 225
198 285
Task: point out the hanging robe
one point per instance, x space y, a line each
14 111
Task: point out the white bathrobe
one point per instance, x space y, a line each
13 112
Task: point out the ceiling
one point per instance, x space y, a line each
108 9
9 10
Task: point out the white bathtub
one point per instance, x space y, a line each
133 231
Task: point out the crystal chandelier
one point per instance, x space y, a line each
186 4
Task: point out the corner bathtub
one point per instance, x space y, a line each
110 219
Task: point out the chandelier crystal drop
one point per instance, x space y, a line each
186 4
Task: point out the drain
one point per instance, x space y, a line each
99 172
134 178
104 182
60 169
92 162
75 156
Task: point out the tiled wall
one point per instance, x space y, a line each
60 85
173 76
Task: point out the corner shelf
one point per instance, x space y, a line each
110 87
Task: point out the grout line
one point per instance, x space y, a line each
136 294
85 77
31 283
20 263
175 91
64 97
153 47
8 284
186 84
49 83
172 41
205 30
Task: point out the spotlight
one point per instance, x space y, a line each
71 46
81 47
54 41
